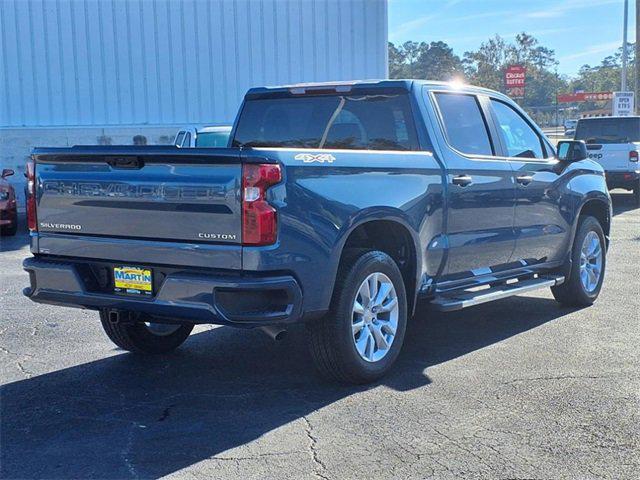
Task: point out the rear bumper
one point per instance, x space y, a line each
627 180
182 297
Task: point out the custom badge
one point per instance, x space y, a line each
315 157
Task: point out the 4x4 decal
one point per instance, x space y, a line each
315 157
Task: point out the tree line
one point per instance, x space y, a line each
486 66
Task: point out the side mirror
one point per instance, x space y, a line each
572 151
7 172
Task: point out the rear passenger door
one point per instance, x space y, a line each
542 231
480 187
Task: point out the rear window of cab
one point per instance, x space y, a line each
368 122
608 130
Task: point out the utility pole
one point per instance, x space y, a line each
623 83
636 57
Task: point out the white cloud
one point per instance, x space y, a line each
562 8
601 48
411 26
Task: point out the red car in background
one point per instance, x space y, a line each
8 207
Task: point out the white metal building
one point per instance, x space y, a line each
102 71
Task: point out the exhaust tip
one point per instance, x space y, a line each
276 333
280 336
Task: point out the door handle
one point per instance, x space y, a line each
462 180
524 179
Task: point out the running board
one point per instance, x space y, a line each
450 301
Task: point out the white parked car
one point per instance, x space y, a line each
570 125
203 137
614 142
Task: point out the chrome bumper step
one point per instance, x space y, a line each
457 300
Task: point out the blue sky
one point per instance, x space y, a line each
580 31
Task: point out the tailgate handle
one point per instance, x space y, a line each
126 162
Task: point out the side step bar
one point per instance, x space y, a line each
451 301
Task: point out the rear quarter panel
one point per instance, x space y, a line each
320 202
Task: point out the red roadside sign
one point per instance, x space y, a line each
515 80
585 97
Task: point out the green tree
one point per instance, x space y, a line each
396 62
432 61
604 77
486 67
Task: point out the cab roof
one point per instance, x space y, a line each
360 87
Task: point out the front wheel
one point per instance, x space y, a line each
589 258
361 337
145 336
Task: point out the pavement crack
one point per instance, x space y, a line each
21 367
165 413
125 453
252 457
555 377
320 467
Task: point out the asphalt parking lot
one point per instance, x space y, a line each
521 388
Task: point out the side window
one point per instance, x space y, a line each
464 123
187 140
179 139
520 139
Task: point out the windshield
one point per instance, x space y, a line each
609 130
212 139
375 122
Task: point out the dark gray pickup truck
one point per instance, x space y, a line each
337 205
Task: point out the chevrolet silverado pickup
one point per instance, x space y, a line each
336 205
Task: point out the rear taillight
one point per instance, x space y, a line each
259 219
31 196
633 156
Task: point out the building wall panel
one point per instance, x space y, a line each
159 62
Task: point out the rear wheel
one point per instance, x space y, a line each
145 336
361 337
636 194
589 255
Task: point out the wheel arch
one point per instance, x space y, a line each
598 207
394 236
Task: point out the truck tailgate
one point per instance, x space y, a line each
154 193
612 156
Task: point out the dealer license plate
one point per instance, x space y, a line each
132 280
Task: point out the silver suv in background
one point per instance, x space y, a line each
614 142
203 137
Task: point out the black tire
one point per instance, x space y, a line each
572 292
13 229
636 194
138 338
331 338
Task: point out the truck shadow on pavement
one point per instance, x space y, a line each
17 241
132 417
622 202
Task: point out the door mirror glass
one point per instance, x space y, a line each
7 172
572 150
